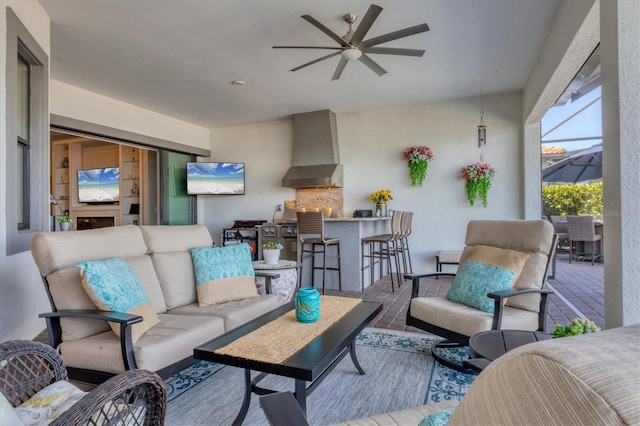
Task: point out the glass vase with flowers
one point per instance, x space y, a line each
381 197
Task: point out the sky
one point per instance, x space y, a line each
587 123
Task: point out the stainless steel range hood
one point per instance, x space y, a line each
316 157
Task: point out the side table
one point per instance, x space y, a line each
489 345
285 286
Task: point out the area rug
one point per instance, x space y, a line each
400 373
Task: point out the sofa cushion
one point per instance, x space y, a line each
485 270
591 379
55 250
176 276
466 320
233 313
169 249
162 238
113 286
170 341
48 403
223 274
143 267
56 254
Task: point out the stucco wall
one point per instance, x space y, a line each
371 146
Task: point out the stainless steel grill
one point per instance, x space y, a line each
284 233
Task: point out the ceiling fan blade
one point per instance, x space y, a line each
373 65
365 24
330 55
338 72
325 30
394 51
416 29
307 47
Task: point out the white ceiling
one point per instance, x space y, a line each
178 57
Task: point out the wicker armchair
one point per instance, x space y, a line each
137 397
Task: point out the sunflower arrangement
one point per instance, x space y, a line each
381 196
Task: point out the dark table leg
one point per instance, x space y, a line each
354 358
301 395
247 399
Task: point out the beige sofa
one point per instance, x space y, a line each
592 379
160 257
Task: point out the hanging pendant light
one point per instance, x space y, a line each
482 128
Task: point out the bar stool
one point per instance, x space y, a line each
380 248
405 231
313 242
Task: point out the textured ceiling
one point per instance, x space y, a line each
179 57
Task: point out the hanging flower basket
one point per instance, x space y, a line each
478 177
418 158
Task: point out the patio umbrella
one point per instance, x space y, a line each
585 165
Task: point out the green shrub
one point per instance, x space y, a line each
572 199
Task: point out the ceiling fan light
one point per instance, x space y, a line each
351 53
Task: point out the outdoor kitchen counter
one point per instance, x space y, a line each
350 231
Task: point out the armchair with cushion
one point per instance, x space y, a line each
34 381
499 284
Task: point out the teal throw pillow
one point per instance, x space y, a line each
223 274
437 418
112 285
485 270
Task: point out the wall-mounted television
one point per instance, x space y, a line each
215 178
99 185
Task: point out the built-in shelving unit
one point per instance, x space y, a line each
76 153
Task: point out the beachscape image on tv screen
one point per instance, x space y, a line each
215 178
99 185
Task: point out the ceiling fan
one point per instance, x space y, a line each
354 46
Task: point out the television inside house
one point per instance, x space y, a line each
96 186
215 178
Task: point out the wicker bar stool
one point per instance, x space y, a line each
313 242
378 249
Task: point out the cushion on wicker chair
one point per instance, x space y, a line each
113 286
47 404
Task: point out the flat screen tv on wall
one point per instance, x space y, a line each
215 178
99 185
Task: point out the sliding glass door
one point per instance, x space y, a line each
177 208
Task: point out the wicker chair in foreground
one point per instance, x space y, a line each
135 397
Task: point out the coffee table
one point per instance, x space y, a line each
311 364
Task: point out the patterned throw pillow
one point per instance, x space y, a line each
223 274
112 285
437 418
485 270
46 405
